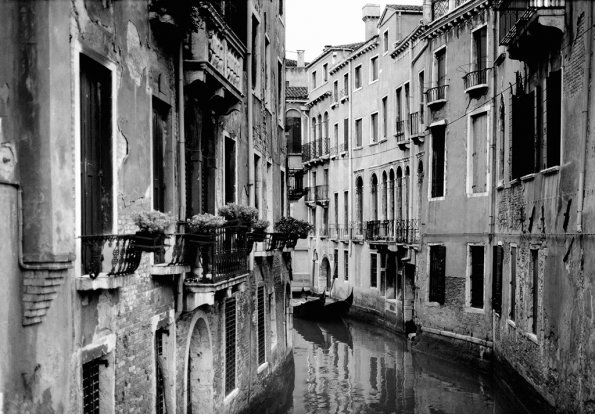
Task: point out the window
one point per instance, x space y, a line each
280 89
346 85
230 170
314 80
230 345
336 199
282 193
478 154
160 406
346 210
534 289
313 132
160 135
374 69
437 274
438 156
336 136
440 65
382 274
384 117
346 134
358 132
374 196
260 323
273 319
399 211
91 387
359 195
280 7
325 221
398 105
325 72
422 97
346 265
374 127
373 270
407 99
554 116
497 262
257 183
336 264
255 52
476 260
512 283
96 147
267 71
293 124
325 126
480 48
335 91
384 202
523 132
358 77
385 41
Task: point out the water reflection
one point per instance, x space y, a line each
350 367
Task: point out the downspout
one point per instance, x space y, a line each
494 176
411 156
581 178
251 199
181 170
351 177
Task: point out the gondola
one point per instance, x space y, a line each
336 310
310 309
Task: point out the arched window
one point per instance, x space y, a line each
359 197
325 125
319 140
374 197
384 195
399 211
420 183
313 133
293 126
391 194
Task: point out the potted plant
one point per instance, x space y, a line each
152 226
259 230
294 229
238 214
202 228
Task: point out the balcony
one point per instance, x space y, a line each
295 185
416 130
214 65
436 96
379 230
222 264
476 81
392 231
323 232
357 231
311 196
344 94
334 151
439 8
406 231
178 255
306 149
322 195
316 151
271 243
530 28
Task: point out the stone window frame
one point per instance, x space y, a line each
101 348
483 110
374 64
426 297
357 78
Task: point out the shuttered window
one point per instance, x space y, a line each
373 270
498 257
261 327
479 153
438 157
230 345
476 276
437 274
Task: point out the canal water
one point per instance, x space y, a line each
351 367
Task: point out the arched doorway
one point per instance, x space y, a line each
199 392
325 273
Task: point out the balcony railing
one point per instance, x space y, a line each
514 14
407 231
459 2
322 193
311 195
315 149
111 254
393 231
295 186
476 79
323 231
333 151
357 230
414 124
227 256
400 129
436 95
306 152
344 94
378 230
439 8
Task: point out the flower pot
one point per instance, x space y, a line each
201 239
291 242
258 236
149 242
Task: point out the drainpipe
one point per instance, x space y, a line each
411 156
352 198
583 165
249 57
494 174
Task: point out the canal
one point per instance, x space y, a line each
352 367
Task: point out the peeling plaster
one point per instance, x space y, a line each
136 60
122 147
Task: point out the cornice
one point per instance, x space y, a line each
454 18
320 98
401 46
362 50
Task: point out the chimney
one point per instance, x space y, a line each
300 59
370 16
427 10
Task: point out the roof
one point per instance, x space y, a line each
296 92
405 7
348 46
290 62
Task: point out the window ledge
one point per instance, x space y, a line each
432 304
229 397
383 140
500 185
103 282
470 309
511 323
358 89
374 143
262 367
528 177
551 170
343 153
344 98
436 198
532 337
514 182
357 148
373 81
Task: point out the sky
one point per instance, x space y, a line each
312 24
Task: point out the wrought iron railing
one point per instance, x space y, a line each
414 123
439 8
306 148
275 241
323 146
399 231
459 2
436 94
400 129
322 193
513 14
407 231
344 147
112 254
179 250
377 230
357 230
476 78
344 93
227 256
295 186
333 150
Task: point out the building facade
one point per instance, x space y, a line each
466 140
113 108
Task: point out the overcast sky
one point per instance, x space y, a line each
312 24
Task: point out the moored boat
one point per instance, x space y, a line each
335 310
310 309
